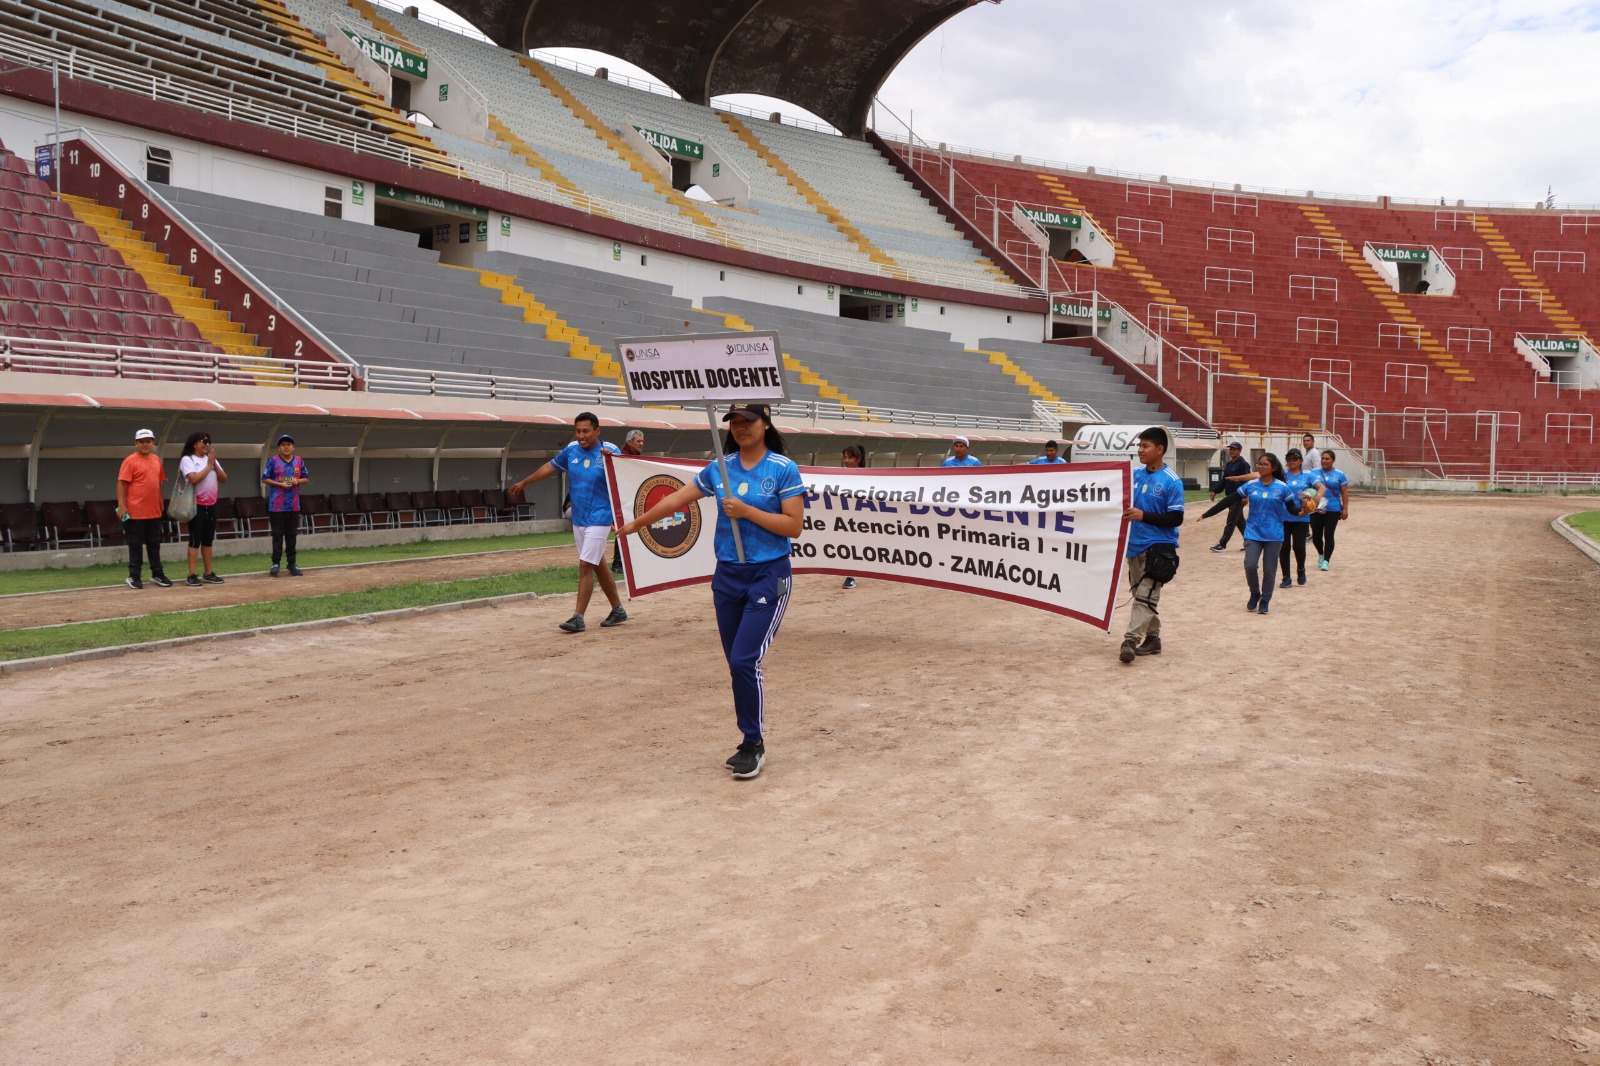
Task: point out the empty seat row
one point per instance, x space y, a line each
80 294
29 317
67 524
18 245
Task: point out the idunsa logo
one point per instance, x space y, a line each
748 348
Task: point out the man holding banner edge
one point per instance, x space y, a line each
1153 521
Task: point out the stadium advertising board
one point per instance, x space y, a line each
704 368
1556 345
672 144
1102 444
387 54
1054 219
1392 254
1049 537
1073 309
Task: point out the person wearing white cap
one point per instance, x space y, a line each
960 455
140 506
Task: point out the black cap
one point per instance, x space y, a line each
749 410
286 437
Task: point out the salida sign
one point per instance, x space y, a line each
703 368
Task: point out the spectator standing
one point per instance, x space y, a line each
140 507
632 444
1335 489
200 467
854 457
1051 456
1154 518
960 453
1234 475
767 499
583 461
283 476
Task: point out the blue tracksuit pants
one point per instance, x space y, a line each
750 599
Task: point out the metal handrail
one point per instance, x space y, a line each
27 354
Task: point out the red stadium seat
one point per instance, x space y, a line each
52 317
11 200
54 260
8 240
29 244
32 224
82 319
26 266
109 323
82 273
53 292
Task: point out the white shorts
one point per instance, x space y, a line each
591 542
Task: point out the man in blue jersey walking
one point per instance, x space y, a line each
583 461
1153 521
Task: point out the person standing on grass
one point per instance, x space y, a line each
632 444
1270 502
1234 474
1335 489
961 454
767 499
583 461
1153 521
140 507
199 465
1296 526
854 457
283 476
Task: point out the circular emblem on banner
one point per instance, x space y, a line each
674 535
628 354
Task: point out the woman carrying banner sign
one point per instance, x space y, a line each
766 497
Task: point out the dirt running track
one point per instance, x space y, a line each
1359 830
118 601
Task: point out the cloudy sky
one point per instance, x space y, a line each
1464 99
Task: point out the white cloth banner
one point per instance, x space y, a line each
1050 537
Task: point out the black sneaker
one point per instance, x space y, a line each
1255 601
615 618
212 579
1129 650
849 583
616 568
274 571
1285 583
746 762
573 625
161 579
133 583
192 581
295 571
1219 547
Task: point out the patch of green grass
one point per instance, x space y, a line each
1587 523
58 640
175 558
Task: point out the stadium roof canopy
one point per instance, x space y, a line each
827 56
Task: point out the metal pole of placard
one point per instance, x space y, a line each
727 486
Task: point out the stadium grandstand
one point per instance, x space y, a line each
415 248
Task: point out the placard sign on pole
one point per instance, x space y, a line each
705 369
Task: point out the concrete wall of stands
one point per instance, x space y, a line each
237 174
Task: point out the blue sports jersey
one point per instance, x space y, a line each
586 481
1305 479
1267 511
1042 461
771 481
1333 481
970 460
1160 492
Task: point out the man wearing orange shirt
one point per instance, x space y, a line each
139 506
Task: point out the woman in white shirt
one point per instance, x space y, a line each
199 464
